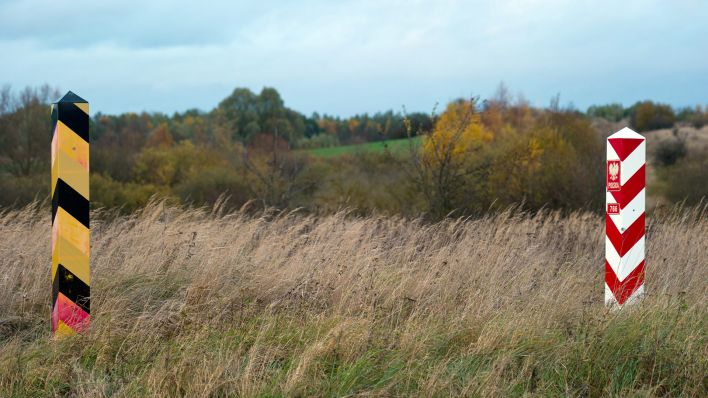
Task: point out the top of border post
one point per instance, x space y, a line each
70 97
627 133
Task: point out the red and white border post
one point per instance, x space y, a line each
625 241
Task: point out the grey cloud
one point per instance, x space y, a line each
357 56
131 23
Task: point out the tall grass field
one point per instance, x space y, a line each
205 303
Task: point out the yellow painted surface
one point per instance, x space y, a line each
68 228
84 107
63 330
71 172
72 145
71 258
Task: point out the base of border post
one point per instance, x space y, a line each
612 303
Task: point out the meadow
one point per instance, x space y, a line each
394 147
208 303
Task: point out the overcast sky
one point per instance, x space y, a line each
347 57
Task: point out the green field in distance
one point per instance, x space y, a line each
394 146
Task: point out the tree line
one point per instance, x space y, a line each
252 149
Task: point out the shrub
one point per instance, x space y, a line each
128 196
556 163
699 118
650 116
322 140
169 166
670 151
686 180
20 190
364 183
206 187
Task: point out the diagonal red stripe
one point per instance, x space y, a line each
622 290
624 241
624 146
631 188
71 314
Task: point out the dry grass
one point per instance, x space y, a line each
197 303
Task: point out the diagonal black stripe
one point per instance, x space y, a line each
68 199
72 287
74 118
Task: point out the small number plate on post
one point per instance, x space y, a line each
613 208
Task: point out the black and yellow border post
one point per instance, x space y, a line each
71 276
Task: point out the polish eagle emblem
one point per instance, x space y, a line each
613 170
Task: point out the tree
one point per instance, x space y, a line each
450 158
610 112
650 116
167 166
160 137
25 125
246 115
533 168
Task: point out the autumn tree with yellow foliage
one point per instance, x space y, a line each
451 156
503 154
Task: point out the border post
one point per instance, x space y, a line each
625 218
71 276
